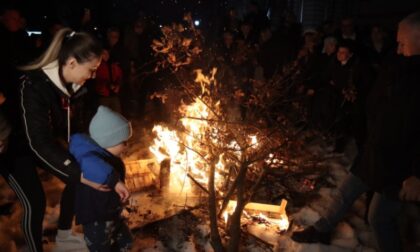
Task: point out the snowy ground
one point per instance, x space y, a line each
160 224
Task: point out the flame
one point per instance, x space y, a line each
189 154
204 80
283 222
187 149
254 141
166 144
229 210
257 209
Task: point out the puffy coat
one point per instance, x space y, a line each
100 166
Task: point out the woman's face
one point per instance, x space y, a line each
79 73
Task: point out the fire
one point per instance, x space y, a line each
254 141
166 144
185 148
283 222
229 210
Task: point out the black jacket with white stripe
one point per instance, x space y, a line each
45 113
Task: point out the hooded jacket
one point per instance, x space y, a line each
42 124
100 166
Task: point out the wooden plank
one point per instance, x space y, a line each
277 209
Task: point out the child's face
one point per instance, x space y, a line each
343 54
118 149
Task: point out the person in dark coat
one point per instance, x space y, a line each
389 160
99 157
41 127
347 82
378 46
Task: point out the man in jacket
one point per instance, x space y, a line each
389 161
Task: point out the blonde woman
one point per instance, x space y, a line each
46 91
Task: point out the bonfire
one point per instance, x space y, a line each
225 142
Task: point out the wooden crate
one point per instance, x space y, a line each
142 174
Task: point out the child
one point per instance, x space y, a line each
108 82
98 155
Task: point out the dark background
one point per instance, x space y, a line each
310 13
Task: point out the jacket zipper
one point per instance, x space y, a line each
68 119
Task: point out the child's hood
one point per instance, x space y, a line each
93 167
80 144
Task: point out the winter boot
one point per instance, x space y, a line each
67 241
311 235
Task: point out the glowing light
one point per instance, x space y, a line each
33 32
254 141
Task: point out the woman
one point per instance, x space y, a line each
47 89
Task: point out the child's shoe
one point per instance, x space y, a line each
67 241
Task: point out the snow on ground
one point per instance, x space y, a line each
160 224
352 234
346 236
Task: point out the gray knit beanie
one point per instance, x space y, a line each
108 128
4 127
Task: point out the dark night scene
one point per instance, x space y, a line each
210 126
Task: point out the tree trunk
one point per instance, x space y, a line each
216 242
235 225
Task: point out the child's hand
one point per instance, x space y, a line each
122 190
99 187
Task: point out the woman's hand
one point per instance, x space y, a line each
94 185
122 190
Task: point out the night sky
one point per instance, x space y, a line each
119 12
115 12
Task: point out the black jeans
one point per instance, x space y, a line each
21 175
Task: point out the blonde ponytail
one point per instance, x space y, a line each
65 44
51 53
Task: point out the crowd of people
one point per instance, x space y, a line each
359 84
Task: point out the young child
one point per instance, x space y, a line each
108 82
98 210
